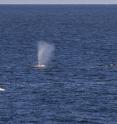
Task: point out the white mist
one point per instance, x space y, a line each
45 53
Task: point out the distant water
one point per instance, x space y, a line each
80 85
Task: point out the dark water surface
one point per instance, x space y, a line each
80 85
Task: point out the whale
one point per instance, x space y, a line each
39 66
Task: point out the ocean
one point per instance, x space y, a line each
79 86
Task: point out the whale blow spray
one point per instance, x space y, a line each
45 53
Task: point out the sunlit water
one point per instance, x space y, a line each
79 85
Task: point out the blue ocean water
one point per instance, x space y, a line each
80 85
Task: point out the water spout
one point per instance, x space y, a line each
44 55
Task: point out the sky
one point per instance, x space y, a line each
58 1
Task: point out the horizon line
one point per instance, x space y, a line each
58 3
